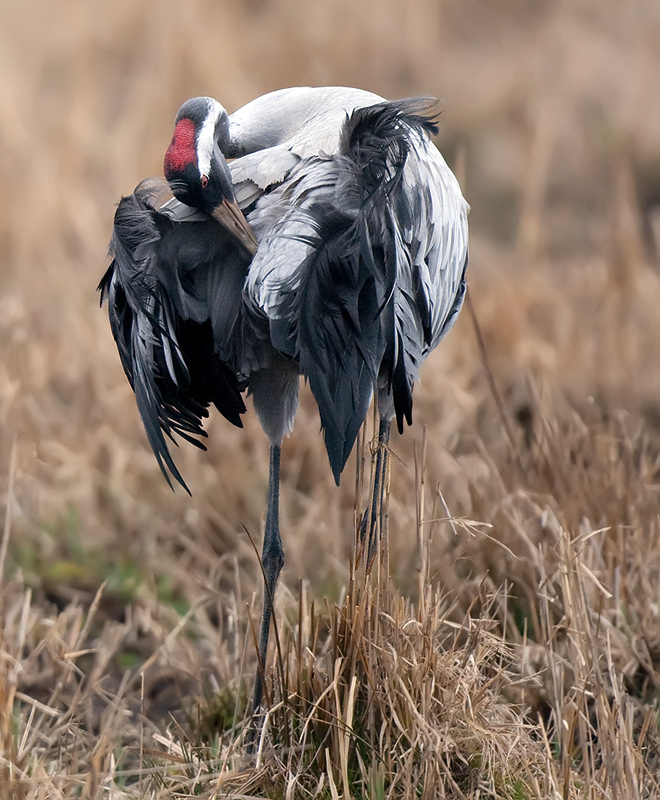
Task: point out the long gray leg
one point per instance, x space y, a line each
378 499
272 559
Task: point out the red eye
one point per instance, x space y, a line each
205 181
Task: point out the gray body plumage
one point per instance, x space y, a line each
359 272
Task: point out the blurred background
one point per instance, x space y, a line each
552 122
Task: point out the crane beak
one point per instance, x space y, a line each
230 215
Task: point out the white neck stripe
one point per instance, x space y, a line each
206 138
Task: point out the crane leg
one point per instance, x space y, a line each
375 520
272 560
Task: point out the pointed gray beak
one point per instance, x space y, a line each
230 215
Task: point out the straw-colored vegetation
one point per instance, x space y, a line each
515 651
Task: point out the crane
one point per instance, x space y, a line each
316 231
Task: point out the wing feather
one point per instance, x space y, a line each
172 320
360 272
355 275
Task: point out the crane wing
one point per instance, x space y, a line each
172 313
360 268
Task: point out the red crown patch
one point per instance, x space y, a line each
182 150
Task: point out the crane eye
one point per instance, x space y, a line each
205 181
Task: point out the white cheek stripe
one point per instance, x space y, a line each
205 139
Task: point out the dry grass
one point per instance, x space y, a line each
515 652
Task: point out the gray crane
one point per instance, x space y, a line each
314 232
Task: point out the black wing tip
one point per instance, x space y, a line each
402 391
339 453
403 416
339 443
169 471
334 445
104 284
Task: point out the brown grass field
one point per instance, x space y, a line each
514 649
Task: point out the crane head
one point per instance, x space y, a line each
196 170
